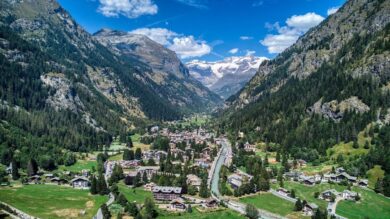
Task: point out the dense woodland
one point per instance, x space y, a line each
283 118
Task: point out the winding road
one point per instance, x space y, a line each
223 155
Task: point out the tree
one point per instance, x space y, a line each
126 154
105 212
129 143
266 163
366 145
93 189
15 170
292 193
203 191
138 154
32 167
251 211
102 185
144 178
277 156
298 205
132 209
355 144
379 186
121 199
280 177
189 209
137 180
150 208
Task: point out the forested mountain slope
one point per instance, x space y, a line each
62 89
325 89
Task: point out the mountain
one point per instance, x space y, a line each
228 76
61 90
327 89
168 73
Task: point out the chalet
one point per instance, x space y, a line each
203 163
283 191
178 205
166 193
249 147
307 180
345 176
309 209
149 170
327 195
349 195
293 175
58 180
211 203
194 180
363 183
301 163
35 179
80 182
237 179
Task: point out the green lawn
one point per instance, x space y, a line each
80 165
218 214
371 205
270 203
50 201
116 157
138 194
307 192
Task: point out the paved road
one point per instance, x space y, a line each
215 169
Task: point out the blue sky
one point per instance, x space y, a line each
207 29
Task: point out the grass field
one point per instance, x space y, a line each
79 165
371 205
116 157
373 175
270 203
50 201
138 194
219 214
136 138
307 192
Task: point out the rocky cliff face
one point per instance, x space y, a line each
228 76
319 45
167 71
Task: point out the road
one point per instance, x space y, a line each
223 155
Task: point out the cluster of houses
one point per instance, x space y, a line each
331 194
78 181
173 196
339 176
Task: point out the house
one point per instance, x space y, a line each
80 182
309 209
178 205
249 147
363 183
48 175
283 191
349 195
35 179
292 175
194 180
301 163
211 203
149 186
58 181
166 193
85 172
345 176
307 180
327 195
237 179
149 170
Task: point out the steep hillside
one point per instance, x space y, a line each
228 76
169 75
325 89
62 89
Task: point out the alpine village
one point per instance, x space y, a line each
99 122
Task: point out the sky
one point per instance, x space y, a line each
207 30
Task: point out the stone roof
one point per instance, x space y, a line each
167 189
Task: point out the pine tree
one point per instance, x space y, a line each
203 191
145 178
138 154
15 170
32 167
102 185
292 193
150 208
93 189
251 211
379 186
121 199
355 144
298 205
132 209
126 154
129 142
105 212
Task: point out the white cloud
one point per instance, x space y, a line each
246 37
257 3
288 35
233 51
159 35
187 47
184 46
195 3
332 10
304 22
128 8
250 53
